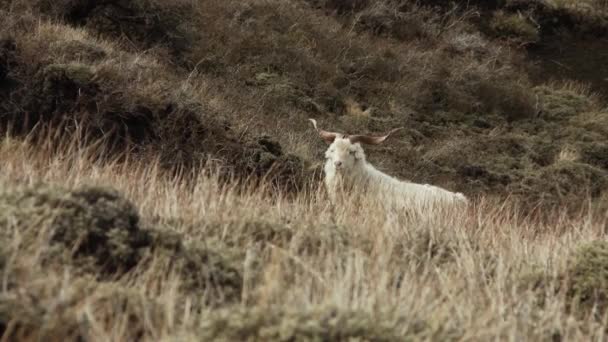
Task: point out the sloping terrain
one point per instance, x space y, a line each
159 179
229 81
171 261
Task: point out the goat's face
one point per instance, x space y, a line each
342 154
345 151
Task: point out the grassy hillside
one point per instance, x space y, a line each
228 80
160 179
174 261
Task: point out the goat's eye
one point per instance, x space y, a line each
353 152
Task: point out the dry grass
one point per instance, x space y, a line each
205 259
309 270
568 153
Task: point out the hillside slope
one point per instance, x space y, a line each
159 179
191 82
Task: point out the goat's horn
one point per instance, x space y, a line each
369 140
329 137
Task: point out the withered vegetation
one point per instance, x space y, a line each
159 179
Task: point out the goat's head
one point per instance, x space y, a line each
345 151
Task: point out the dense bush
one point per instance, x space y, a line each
98 232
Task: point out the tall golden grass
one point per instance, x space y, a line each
310 270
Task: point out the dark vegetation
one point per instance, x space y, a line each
62 77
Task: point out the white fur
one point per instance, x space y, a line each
357 176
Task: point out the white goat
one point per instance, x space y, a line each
346 170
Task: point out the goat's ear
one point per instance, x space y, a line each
328 137
371 140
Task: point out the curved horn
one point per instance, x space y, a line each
329 137
369 140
